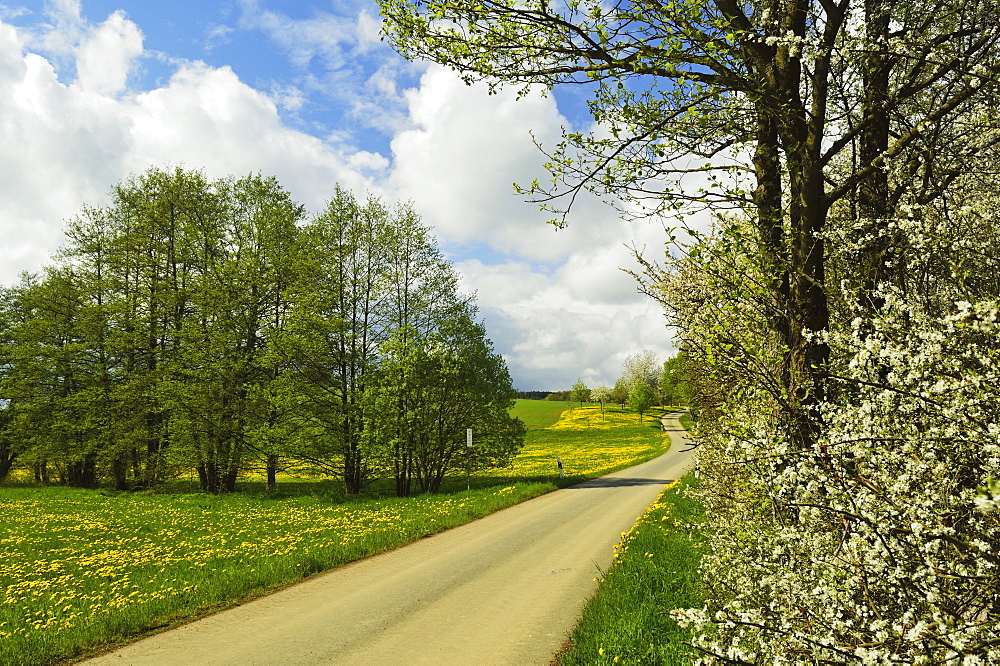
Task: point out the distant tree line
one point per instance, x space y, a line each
209 325
533 395
644 382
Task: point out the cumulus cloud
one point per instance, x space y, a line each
104 60
63 145
549 333
464 151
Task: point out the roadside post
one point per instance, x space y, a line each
468 458
559 463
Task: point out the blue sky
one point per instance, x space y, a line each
307 91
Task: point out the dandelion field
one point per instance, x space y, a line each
79 569
590 443
84 570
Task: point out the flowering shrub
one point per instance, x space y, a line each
874 546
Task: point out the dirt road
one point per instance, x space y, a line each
506 589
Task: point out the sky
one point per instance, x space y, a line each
92 91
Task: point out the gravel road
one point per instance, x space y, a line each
506 589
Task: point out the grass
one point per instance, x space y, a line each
656 570
81 571
687 421
538 413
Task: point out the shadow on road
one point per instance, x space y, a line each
617 482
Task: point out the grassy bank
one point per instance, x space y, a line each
656 570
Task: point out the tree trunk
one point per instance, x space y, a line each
794 255
7 458
82 473
208 474
229 480
272 473
873 192
119 471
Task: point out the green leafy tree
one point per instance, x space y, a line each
675 384
641 398
238 299
367 274
580 393
620 392
449 379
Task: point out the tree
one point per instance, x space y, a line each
620 392
830 522
15 313
641 398
448 379
675 383
642 367
580 393
601 394
824 100
239 298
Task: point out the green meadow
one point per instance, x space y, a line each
86 570
538 413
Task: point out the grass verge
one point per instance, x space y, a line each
656 570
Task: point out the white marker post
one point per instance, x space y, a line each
468 458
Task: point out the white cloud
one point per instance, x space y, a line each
550 333
369 29
104 60
462 155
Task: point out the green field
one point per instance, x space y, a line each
538 413
84 570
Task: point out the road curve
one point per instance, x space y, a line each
505 589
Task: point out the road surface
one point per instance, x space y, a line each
505 589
